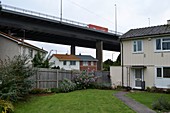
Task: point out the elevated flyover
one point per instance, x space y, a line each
45 28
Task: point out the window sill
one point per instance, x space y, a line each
138 52
162 51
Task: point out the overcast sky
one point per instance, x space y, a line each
130 14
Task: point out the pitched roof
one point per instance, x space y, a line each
86 58
147 31
66 57
21 42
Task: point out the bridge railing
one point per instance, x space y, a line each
34 13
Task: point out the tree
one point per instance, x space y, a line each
40 61
14 77
109 62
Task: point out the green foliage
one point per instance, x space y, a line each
103 86
37 91
148 89
55 90
67 86
109 62
38 61
14 74
6 106
162 104
84 81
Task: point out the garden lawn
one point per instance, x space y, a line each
147 98
82 101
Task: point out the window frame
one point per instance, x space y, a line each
161 44
136 47
162 72
64 63
72 63
85 63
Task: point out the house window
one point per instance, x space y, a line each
85 63
163 72
64 62
30 53
137 46
163 44
72 62
159 72
166 72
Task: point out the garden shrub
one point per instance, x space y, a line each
55 90
148 89
84 81
6 106
103 86
66 85
37 91
14 74
168 91
153 89
162 104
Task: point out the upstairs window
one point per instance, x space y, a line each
72 62
137 46
163 44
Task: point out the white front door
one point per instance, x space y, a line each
138 76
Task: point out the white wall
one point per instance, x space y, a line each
149 55
67 66
8 48
116 76
150 58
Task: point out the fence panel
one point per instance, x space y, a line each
49 78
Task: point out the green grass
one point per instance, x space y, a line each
83 101
147 98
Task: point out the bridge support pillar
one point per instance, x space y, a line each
73 49
99 54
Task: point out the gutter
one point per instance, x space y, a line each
122 62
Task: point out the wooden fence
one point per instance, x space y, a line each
49 78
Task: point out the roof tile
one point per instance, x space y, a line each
66 57
147 31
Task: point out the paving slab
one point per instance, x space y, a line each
136 106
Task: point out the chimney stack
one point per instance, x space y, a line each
168 22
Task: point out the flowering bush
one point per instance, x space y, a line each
66 86
84 81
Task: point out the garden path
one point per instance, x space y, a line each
136 106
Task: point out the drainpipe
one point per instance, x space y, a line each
122 62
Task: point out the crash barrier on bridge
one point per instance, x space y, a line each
49 78
46 16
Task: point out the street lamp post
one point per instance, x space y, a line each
61 4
